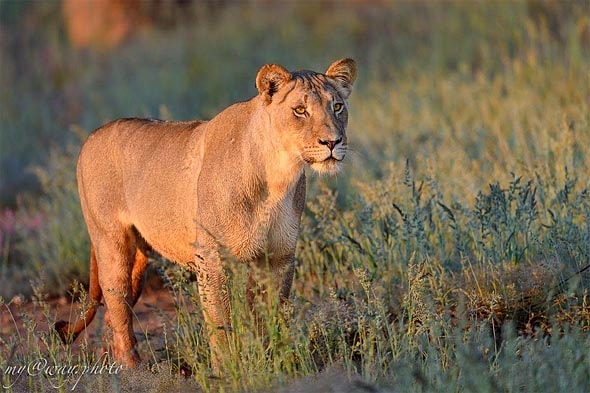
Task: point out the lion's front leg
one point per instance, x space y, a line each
285 274
269 285
214 297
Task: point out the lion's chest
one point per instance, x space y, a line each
272 229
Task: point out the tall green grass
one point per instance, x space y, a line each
446 257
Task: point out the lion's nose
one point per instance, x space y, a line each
330 144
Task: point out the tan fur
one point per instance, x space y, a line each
197 191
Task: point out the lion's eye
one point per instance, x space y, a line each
338 107
300 110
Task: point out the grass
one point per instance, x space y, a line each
449 255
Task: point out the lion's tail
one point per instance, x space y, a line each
68 331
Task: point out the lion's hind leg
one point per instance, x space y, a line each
137 281
121 267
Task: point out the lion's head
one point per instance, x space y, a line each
308 111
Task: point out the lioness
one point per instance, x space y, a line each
193 191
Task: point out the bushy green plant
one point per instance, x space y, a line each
58 252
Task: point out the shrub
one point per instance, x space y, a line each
59 250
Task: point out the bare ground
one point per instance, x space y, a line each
154 310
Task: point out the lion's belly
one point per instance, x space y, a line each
179 250
167 224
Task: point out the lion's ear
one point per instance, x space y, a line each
344 72
270 78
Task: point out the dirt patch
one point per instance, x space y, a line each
154 309
24 324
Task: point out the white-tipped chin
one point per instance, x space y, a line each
327 167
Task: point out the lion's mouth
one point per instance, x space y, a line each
327 160
332 160
329 166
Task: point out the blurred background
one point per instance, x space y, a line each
85 62
471 90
